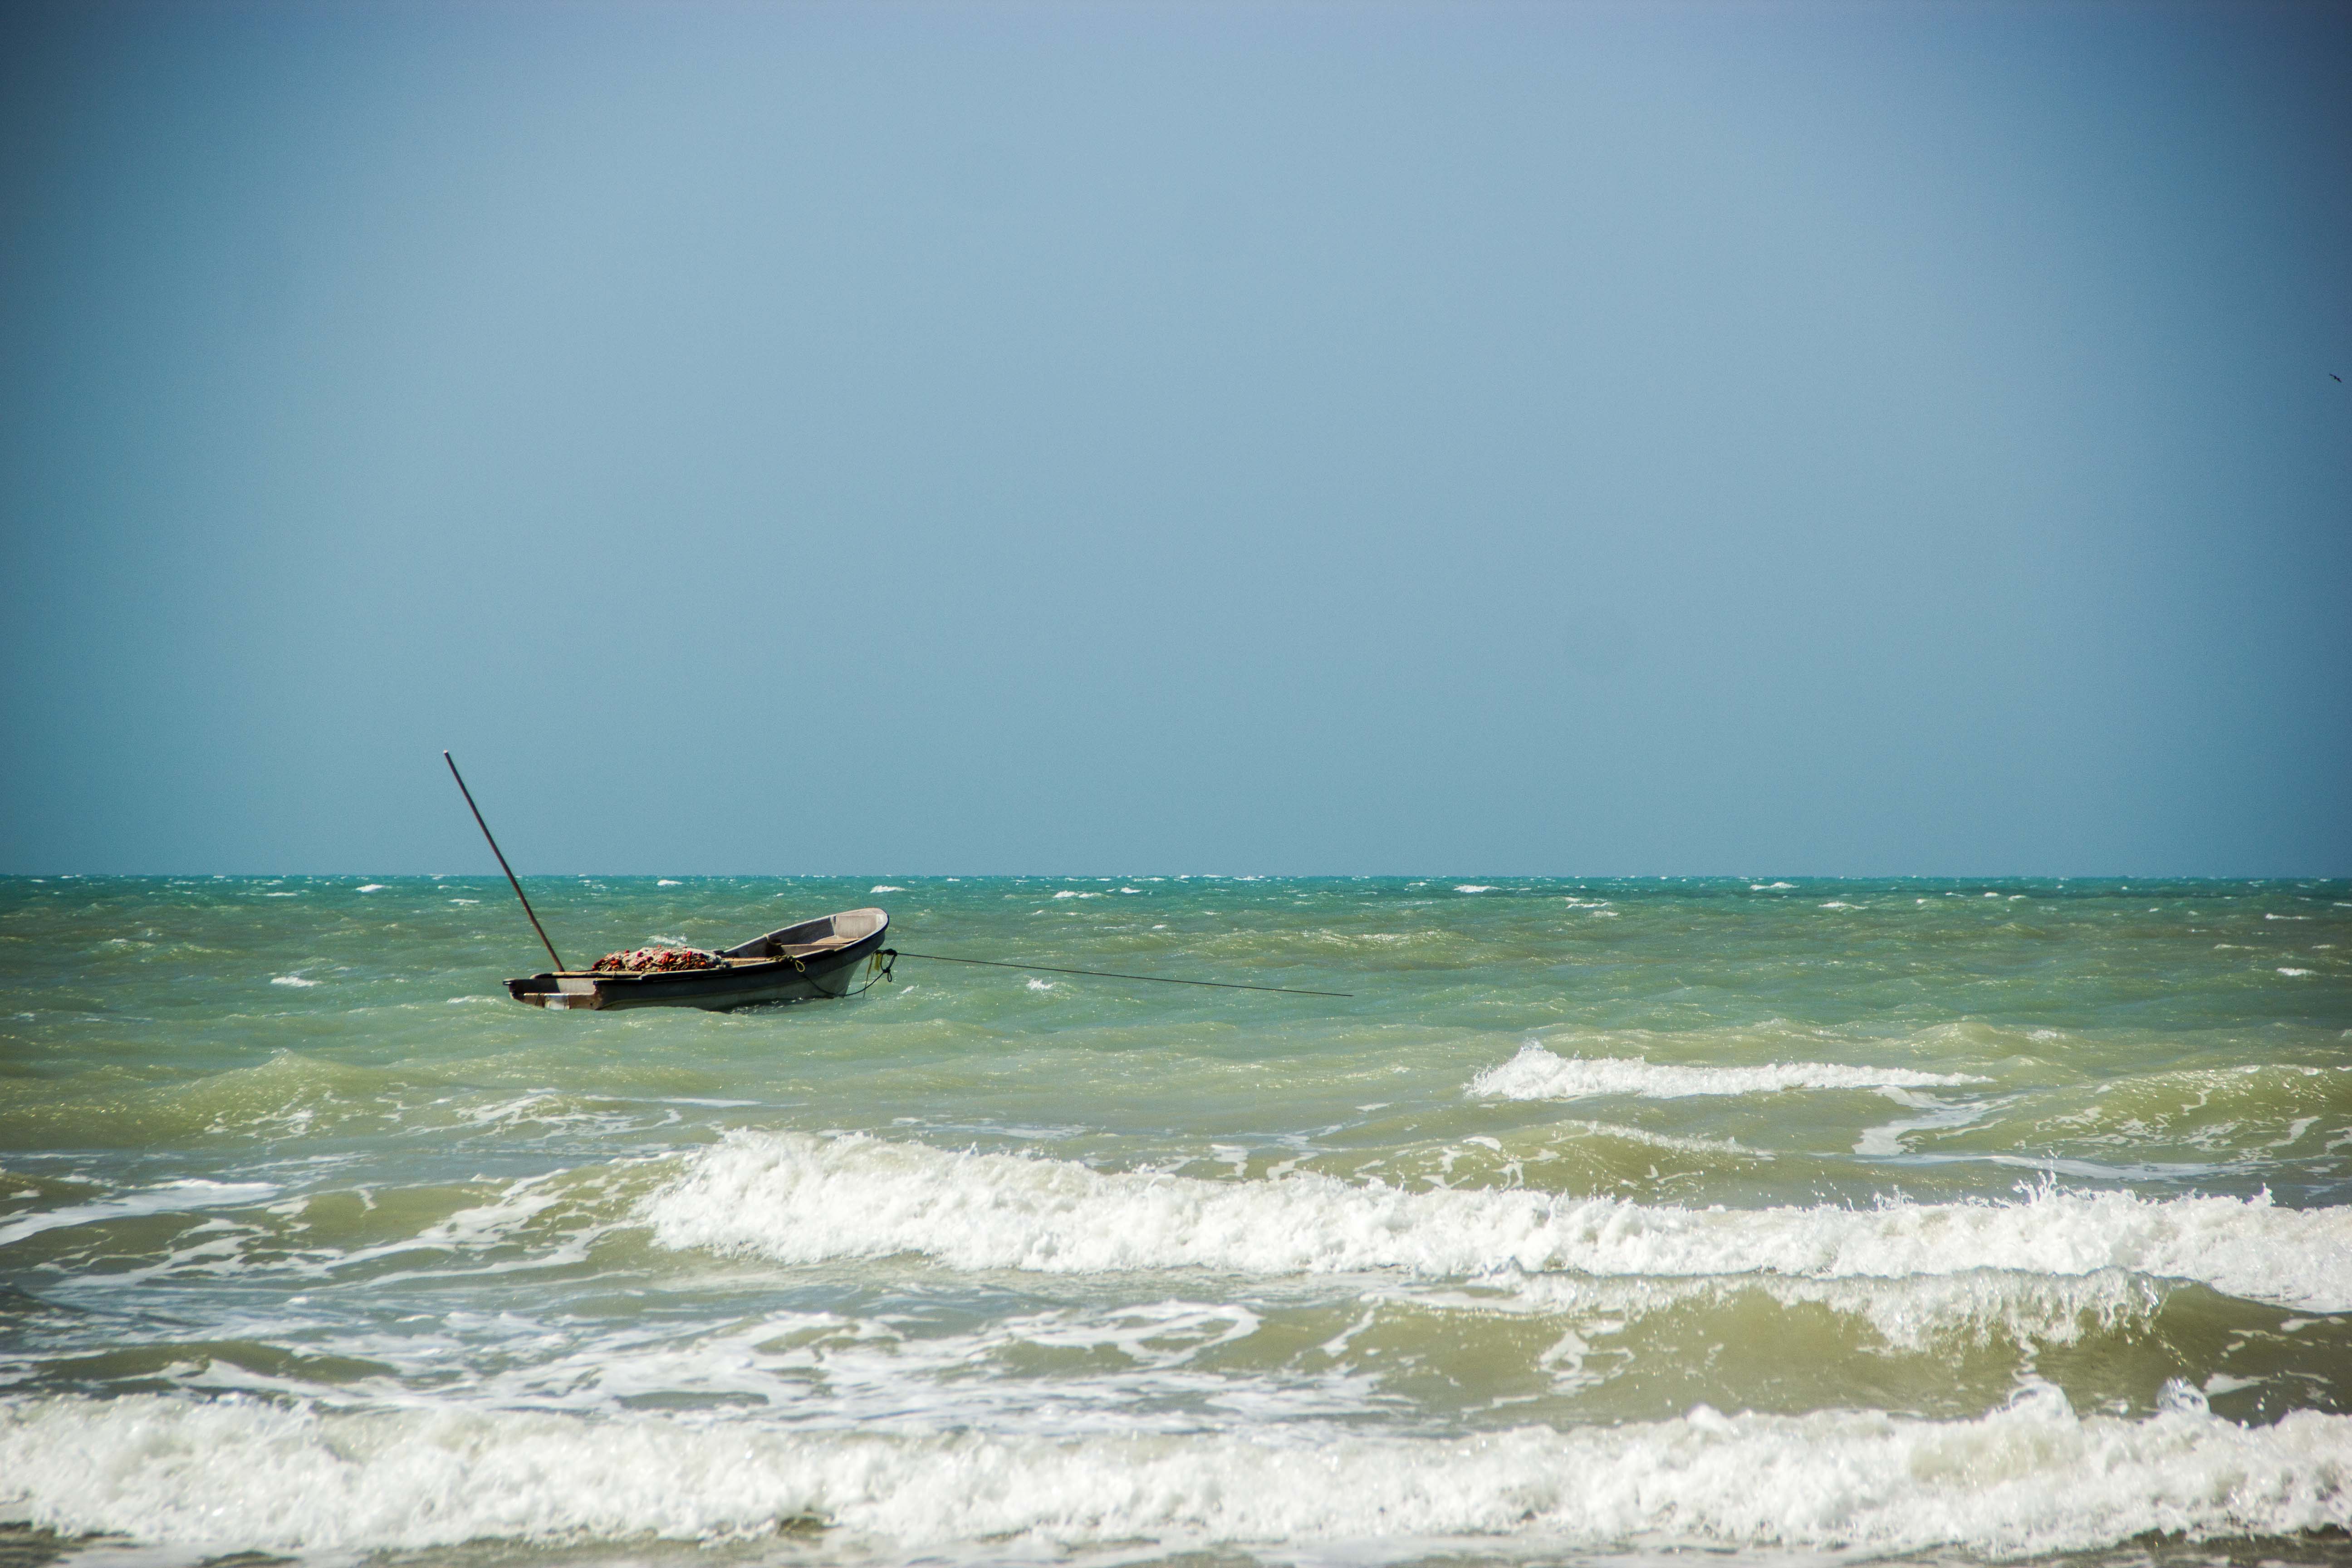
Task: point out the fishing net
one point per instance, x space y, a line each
651 960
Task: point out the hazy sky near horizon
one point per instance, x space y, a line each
1571 438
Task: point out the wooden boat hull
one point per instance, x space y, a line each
816 959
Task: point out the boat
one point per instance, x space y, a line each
797 963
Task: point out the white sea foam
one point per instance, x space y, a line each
2033 1476
885 887
803 1199
372 888
290 980
471 1232
1147 1366
1538 1074
668 882
1475 887
1890 1140
171 1197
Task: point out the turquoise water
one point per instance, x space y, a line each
1942 1220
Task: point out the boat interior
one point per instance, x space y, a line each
826 934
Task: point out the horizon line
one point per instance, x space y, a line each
1757 878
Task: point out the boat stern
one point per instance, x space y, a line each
557 992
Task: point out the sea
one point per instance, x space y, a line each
1712 1221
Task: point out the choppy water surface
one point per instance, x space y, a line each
1604 1220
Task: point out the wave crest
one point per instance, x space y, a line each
797 1198
2032 1476
1538 1074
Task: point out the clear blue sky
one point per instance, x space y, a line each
1207 438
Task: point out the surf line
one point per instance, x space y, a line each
894 954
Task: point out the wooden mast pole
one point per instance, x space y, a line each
502 859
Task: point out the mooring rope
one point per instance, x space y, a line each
1111 975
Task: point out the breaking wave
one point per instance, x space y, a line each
1536 1074
798 1198
2032 1476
